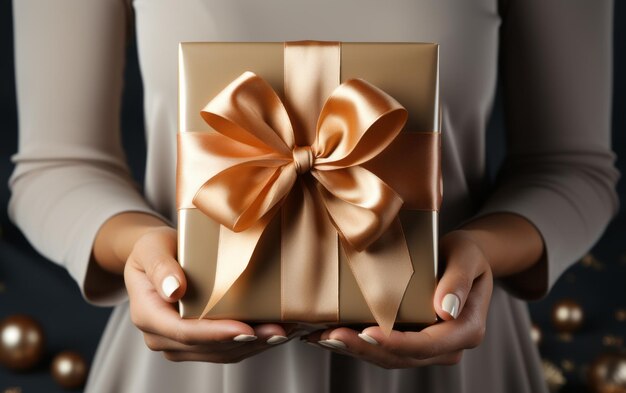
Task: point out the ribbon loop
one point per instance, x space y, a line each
370 120
249 111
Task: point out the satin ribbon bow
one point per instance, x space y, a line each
255 170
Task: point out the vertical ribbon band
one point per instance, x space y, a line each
310 76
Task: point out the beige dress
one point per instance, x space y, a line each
71 174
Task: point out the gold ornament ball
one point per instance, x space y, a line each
567 316
607 374
69 369
21 342
535 334
553 376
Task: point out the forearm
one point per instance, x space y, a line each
510 243
117 236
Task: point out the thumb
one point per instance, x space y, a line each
463 262
155 254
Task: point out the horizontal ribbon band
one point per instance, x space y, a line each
419 152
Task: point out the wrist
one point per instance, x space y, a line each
510 243
468 241
118 235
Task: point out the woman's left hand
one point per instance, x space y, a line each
461 300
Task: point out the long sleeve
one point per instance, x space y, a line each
556 70
71 174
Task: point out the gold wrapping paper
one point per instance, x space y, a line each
409 73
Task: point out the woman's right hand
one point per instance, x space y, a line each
155 281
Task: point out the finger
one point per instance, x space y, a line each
153 315
353 345
442 338
159 343
464 262
272 334
233 357
155 254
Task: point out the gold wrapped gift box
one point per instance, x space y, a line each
407 72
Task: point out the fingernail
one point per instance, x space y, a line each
368 339
332 343
243 338
169 285
274 340
450 304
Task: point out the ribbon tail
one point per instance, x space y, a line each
383 271
234 253
309 258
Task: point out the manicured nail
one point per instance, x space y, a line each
450 304
368 339
243 338
274 340
332 343
170 285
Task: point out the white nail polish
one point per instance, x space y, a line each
274 340
332 343
451 304
368 339
170 285
242 338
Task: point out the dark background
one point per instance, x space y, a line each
29 284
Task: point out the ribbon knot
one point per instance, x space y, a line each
303 159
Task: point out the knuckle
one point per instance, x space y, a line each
463 287
158 269
183 335
172 356
152 343
137 318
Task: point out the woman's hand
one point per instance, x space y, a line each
143 248
461 300
155 281
502 245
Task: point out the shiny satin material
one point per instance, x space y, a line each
255 168
310 76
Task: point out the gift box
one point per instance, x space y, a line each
309 182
